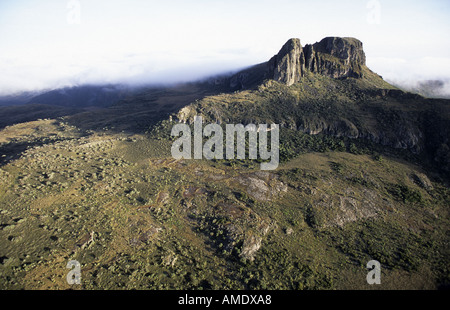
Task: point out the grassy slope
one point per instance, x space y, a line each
135 218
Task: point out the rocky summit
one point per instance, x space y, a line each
333 56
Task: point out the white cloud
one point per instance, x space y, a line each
414 69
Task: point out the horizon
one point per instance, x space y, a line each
52 44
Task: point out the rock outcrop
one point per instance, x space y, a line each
336 57
333 56
289 64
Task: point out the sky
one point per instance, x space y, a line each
47 44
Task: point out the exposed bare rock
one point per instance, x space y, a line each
85 241
261 186
288 66
251 245
338 128
184 114
336 57
340 209
170 259
333 56
163 198
422 180
3 175
289 231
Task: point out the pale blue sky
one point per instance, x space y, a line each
42 45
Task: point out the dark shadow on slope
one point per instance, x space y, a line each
31 112
84 96
14 150
138 113
135 113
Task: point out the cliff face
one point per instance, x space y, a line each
288 66
334 57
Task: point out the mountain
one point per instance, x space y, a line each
363 176
74 97
333 57
326 88
17 99
83 96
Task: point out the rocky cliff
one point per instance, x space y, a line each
334 57
288 66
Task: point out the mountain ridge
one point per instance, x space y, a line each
326 88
